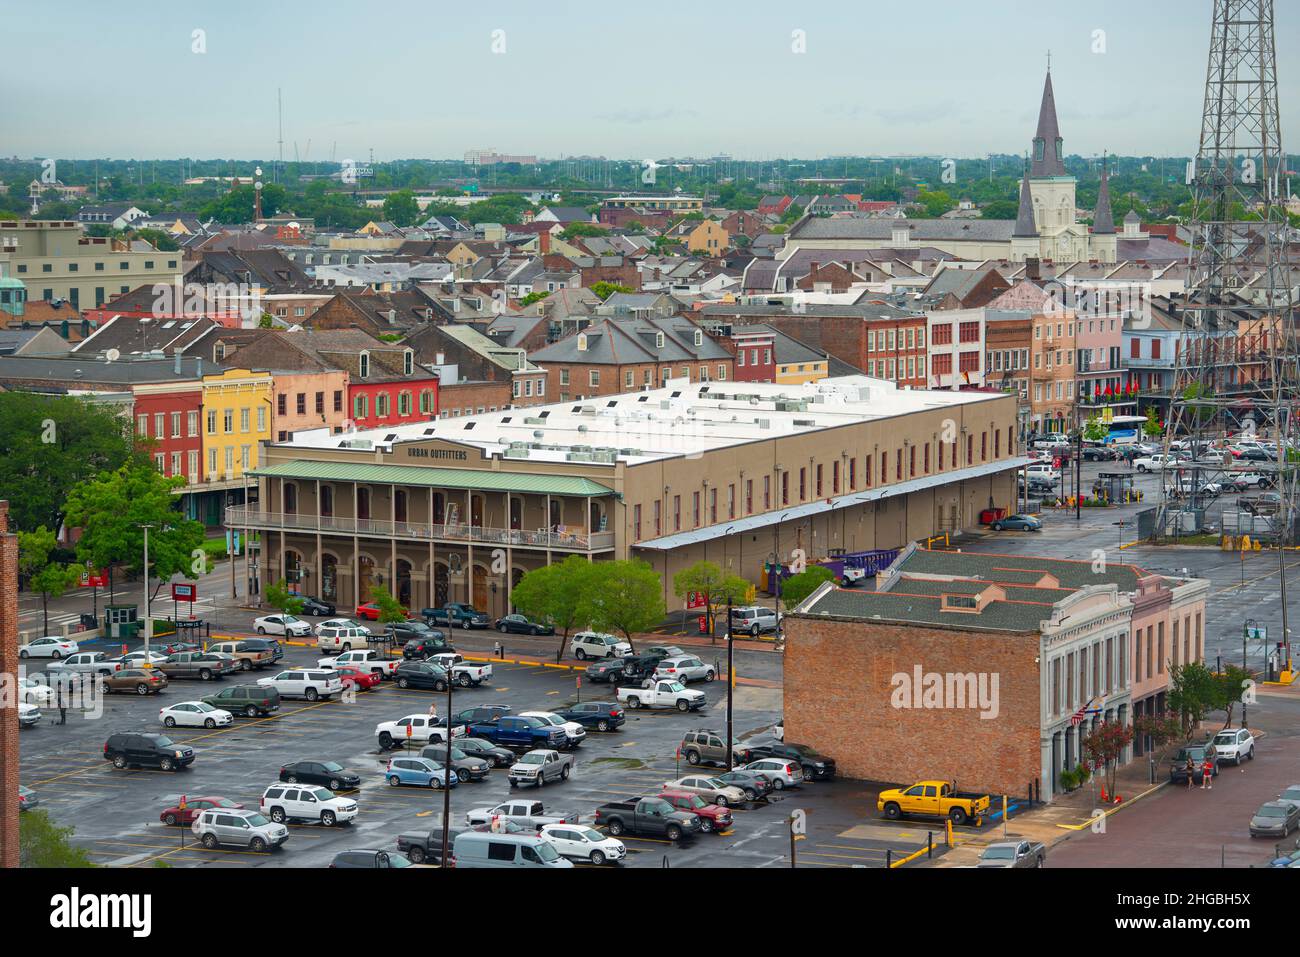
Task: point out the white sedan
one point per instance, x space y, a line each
135 659
583 843
286 625
341 623
48 647
35 692
194 714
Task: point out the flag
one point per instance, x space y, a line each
1076 719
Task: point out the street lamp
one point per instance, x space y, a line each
148 622
777 571
731 655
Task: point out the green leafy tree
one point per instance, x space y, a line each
579 230
44 575
625 596
1194 691
42 843
715 586
1000 209
556 594
1107 744
160 240
533 297
1095 430
401 208
1152 427
48 444
1229 686
278 596
390 609
606 289
112 510
935 203
798 587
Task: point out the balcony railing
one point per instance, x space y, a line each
238 516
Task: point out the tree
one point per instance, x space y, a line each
556 594
42 843
277 595
1095 430
401 208
936 203
798 587
1229 686
606 289
112 510
390 609
711 583
160 240
1106 745
1152 427
1000 209
579 230
533 297
625 596
48 444
1160 730
1193 691
44 575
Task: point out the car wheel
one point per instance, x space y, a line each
311 694
720 800
564 773
616 827
335 784
958 815
808 774
440 685
602 725
385 740
277 815
1142 468
210 841
709 675
534 631
170 820
597 858
893 811
778 784
673 832
394 781
683 706
464 681
435 784
997 526
579 654
1263 483
1250 755
209 724
119 762
328 818
514 783
169 721
257 845
139 689
166 764
205 675
633 702
250 711
23 653
416 855
261 630
245 665
706 825
692 757
751 794
403 683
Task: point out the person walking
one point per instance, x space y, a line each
1207 771
63 705
1190 768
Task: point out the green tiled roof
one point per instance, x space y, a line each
479 480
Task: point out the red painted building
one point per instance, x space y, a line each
393 401
755 350
170 416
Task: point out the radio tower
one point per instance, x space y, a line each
1236 366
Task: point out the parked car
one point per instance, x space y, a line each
595 715
577 842
597 644
649 815
663 694
420 772
1275 819
283 802
358 678
246 654
704 746
365 658
467 767
287 625
684 669
1242 481
709 788
407 631
194 714
753 619
521 625
1291 795
1010 854
605 670
84 662
496 757
175 814
1043 471
424 728
136 680
815 766
28 715
136 659
782 772
421 649
539 766
660 652
27 799
933 799
329 774
201 665
480 714
1234 745
1197 752
457 614
342 623
342 638
310 683
48 647
421 674
239 828
466 674
369 858
530 815
574 732
140 749
755 784
252 701
316 608
714 817
518 732
31 691
477 849
426 848
368 611
1018 523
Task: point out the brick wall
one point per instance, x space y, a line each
838 690
472 395
9 670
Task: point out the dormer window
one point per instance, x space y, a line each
699 338
408 362
659 340
582 342
364 367
952 602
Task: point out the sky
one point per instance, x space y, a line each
753 79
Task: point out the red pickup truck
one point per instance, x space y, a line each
714 818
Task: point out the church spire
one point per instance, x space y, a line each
1103 221
1049 154
1025 217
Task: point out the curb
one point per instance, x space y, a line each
1117 808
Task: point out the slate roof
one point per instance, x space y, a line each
1049 132
922 230
1025 214
1103 220
1071 574
620 340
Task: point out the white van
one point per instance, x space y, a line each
342 638
484 849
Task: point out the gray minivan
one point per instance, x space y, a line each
485 849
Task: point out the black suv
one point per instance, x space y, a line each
489 752
816 767
420 674
142 749
412 631
417 649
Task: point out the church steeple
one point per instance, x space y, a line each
1049 154
1025 217
1103 221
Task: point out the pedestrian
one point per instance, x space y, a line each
1207 771
63 707
1190 768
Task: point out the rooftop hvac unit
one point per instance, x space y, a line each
763 423
516 453
607 456
578 457
580 448
533 420
807 422
629 451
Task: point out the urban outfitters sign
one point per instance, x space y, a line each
458 455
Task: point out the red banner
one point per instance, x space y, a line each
184 592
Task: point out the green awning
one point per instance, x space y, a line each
476 479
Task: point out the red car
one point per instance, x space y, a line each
357 678
175 815
714 818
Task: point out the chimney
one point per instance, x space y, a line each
1032 267
177 369
544 242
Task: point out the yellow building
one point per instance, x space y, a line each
237 410
797 362
708 238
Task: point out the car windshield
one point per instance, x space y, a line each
551 719
696 801
320 793
203 706
1291 794
590 834
532 759
1268 811
999 853
256 820
397 860
715 783
1226 737
164 741
675 686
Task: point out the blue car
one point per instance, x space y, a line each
1287 860
1019 523
420 772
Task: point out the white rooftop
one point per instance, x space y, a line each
682 418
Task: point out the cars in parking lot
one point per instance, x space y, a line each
27 799
358 678
84 662
175 814
194 714
648 815
136 680
467 767
595 715
714 817
521 625
140 749
239 828
782 772
515 731
574 732
316 608
366 658
1235 745
663 694
367 611
457 614
420 674
475 849
420 772
284 802
604 670
753 783
685 669
420 649
704 746
1197 753
341 638
28 715
539 766
369 858
407 631
1013 854
1018 523
423 728
597 644
328 774
814 766
1241 481
312 684
495 756
577 842
709 788
247 655
201 665
31 691
466 674
342 623
136 659
753 619
252 701
530 815
48 646
1291 795
1275 819
287 625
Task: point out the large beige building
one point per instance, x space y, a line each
733 473
58 261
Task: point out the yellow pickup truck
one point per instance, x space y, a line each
933 799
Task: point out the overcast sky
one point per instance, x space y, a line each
620 79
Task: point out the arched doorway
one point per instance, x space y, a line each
290 499
440 591
403 590
329 578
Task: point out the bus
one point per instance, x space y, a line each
1124 429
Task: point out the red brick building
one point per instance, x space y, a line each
755 350
170 416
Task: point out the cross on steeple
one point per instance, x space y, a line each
1049 61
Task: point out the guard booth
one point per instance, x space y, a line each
122 621
1115 487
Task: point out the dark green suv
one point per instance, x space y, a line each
253 701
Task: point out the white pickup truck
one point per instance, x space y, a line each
372 661
463 672
663 694
423 730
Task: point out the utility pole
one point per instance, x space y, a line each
148 622
447 773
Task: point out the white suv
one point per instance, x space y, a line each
305 683
283 802
342 638
595 644
753 619
370 661
1234 744
574 732
286 625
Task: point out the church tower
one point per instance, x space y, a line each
1104 242
1052 189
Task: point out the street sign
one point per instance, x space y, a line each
93 579
695 599
1257 632
184 592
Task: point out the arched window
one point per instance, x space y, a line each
408 362
364 366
